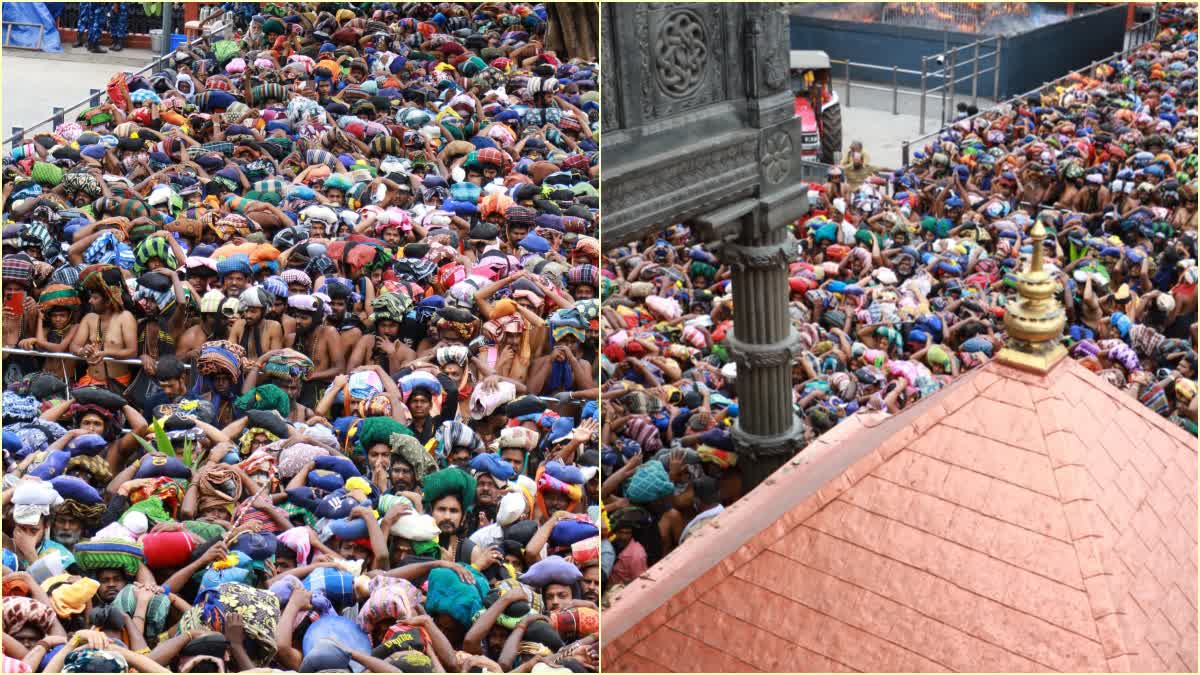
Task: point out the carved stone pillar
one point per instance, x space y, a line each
763 344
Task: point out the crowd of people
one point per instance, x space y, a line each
301 359
902 280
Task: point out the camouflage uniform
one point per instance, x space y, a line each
118 23
91 20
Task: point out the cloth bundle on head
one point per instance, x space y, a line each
447 594
389 600
220 356
20 612
67 597
518 437
258 608
410 451
649 484
454 434
287 364
265 397
451 481
98 554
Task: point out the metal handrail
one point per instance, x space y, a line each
906 145
94 98
16 351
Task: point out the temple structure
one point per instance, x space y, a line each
1028 517
699 128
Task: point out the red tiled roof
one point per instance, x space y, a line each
1012 522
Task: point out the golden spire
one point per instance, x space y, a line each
1035 321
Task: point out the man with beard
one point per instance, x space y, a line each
109 330
410 463
492 475
158 300
235 274
312 336
213 326
71 518
255 333
589 583
450 497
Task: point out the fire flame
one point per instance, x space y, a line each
967 17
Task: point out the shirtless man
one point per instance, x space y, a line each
318 340
256 334
212 326
108 331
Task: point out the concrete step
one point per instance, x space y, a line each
126 59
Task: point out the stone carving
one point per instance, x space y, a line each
642 21
680 53
765 356
609 89
775 65
684 176
756 447
777 156
772 256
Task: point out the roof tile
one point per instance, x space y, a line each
1010 391
759 648
1031 528
1028 509
1082 518
1001 422
986 456
966 488
629 662
1112 638
686 654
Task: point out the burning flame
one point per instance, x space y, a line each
967 17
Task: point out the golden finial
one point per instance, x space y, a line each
1035 321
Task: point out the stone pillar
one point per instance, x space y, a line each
764 344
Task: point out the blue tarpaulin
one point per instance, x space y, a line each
27 36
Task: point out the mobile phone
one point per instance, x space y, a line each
15 304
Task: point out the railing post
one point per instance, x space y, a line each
975 76
904 155
924 73
953 75
58 116
847 83
943 88
18 134
95 96
996 72
895 90
168 17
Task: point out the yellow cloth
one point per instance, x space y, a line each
358 483
344 15
503 307
69 599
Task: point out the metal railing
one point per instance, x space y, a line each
814 172
896 71
16 351
1146 28
947 77
93 99
949 60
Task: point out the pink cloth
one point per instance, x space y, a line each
297 540
630 564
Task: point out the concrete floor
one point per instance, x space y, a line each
35 82
869 119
